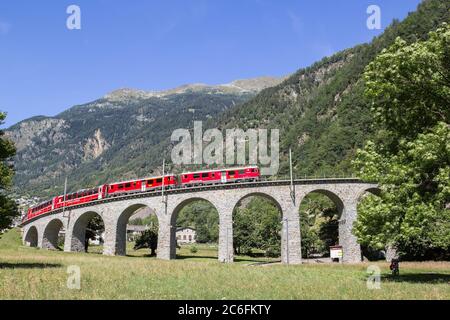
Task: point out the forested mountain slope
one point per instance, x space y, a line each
321 111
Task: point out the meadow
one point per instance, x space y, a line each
30 273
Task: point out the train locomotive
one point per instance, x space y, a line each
170 181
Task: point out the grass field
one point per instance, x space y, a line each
29 273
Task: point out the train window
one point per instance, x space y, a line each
159 180
241 171
127 185
197 175
205 175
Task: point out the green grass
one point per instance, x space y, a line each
29 273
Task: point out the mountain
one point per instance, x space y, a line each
119 136
321 110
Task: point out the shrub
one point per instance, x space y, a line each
194 249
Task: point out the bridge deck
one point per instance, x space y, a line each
156 193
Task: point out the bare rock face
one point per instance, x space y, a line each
95 146
256 84
47 131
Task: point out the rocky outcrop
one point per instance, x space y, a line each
46 131
95 146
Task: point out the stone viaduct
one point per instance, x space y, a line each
43 231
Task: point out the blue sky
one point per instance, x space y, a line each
152 45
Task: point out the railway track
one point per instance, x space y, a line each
212 187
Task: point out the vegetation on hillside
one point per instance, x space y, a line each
321 111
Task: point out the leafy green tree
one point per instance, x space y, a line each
318 225
410 157
94 228
148 239
257 226
8 208
409 85
243 241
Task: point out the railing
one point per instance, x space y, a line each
263 181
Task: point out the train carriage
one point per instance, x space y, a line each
141 185
43 208
187 179
80 197
234 175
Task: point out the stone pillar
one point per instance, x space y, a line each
74 241
114 243
291 250
166 244
226 250
348 241
40 243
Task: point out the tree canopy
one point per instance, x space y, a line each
410 155
8 208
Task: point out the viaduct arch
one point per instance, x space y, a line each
115 213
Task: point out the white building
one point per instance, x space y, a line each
186 235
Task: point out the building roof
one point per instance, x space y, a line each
184 228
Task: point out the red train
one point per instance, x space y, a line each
184 180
